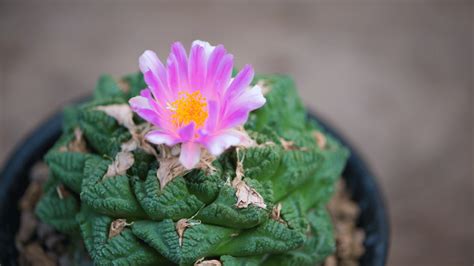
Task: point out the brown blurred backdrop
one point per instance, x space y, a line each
394 76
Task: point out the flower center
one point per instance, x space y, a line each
189 107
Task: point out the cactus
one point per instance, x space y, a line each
127 217
133 203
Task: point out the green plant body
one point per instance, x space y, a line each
127 215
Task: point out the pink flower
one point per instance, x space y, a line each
194 101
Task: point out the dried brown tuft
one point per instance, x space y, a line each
247 195
120 112
320 139
123 161
78 144
265 87
244 193
171 167
117 226
202 262
123 85
62 191
276 214
181 226
289 145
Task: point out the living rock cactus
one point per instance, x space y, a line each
132 203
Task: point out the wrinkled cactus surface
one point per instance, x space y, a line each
133 205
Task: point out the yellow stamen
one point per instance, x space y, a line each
189 107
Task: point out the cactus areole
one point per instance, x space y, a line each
194 163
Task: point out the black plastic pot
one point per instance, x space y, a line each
14 181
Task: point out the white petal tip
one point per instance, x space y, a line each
208 48
139 101
148 60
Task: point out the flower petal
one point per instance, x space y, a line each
213 63
141 101
190 154
181 59
236 118
251 98
159 90
213 118
141 106
161 137
224 140
149 61
209 70
241 81
186 133
175 79
238 109
208 48
196 68
221 78
154 74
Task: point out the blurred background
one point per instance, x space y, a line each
396 77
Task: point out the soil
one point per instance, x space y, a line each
40 245
349 238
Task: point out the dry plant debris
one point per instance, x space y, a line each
123 85
289 145
117 226
39 244
78 144
171 167
265 87
120 112
203 262
320 139
123 161
276 214
62 191
245 194
182 225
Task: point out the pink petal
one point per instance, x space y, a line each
159 90
190 154
141 101
154 74
181 59
221 78
196 68
141 105
238 109
213 118
175 80
146 93
208 48
186 133
237 118
161 137
224 140
149 61
240 82
213 63
250 98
